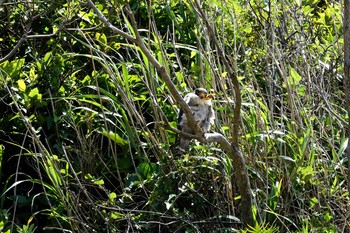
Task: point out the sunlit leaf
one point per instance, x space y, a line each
85 16
32 74
47 57
294 77
115 137
193 53
99 182
21 85
248 29
116 215
101 37
30 220
225 128
88 176
112 196
307 10
12 68
35 93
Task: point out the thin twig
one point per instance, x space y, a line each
25 37
14 50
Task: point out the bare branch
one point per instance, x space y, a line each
24 37
111 26
14 50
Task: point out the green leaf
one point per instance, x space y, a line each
35 93
301 90
115 137
88 176
117 215
112 196
193 53
327 216
313 202
12 68
248 29
101 37
225 128
343 146
307 10
224 74
32 75
47 58
125 163
146 170
21 85
294 77
99 182
85 16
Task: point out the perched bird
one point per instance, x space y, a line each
200 104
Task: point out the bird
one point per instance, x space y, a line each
202 110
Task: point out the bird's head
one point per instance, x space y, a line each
203 94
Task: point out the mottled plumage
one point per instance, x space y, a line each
200 103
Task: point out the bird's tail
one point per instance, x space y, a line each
181 144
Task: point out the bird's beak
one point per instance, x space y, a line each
209 97
206 97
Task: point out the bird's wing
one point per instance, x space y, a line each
179 119
181 116
193 101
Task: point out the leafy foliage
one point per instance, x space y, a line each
83 145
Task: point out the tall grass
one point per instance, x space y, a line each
110 167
